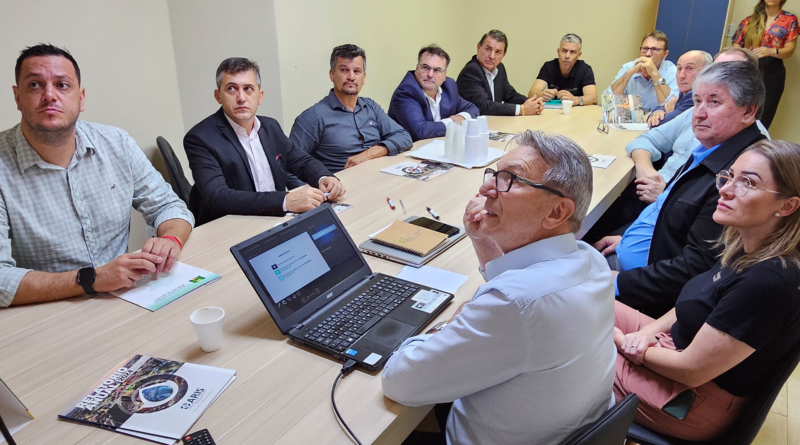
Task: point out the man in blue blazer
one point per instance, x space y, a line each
427 99
240 161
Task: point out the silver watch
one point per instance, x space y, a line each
660 82
580 101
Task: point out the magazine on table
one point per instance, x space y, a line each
151 398
423 171
623 109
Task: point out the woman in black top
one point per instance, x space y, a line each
695 368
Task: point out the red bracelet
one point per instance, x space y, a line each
174 239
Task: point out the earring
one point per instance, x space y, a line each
778 214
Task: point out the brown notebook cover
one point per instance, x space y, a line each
410 238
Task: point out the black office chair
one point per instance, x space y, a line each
611 427
180 185
747 427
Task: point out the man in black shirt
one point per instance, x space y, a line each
566 77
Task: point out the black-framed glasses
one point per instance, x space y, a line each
741 184
602 127
645 49
504 180
436 70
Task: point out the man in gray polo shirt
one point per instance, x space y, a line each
344 130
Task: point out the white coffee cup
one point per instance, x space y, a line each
208 326
566 106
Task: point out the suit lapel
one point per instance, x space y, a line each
484 80
230 135
278 175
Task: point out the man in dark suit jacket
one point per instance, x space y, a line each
427 99
240 161
497 98
674 238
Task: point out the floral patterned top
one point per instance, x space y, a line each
784 29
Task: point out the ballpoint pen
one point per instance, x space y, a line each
391 204
433 214
402 206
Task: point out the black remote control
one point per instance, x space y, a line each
202 437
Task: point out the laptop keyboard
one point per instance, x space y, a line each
347 324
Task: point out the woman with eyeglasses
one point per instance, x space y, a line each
695 368
771 33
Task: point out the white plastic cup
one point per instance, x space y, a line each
449 140
473 128
566 106
458 141
208 326
483 124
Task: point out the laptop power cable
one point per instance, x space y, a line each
348 366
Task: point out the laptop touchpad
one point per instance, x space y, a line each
388 333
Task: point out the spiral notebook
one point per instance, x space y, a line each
410 238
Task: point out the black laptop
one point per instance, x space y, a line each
320 291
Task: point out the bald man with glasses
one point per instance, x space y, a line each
650 76
427 99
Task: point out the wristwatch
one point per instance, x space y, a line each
660 82
86 277
580 101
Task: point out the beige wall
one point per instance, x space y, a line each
124 50
392 32
784 126
203 35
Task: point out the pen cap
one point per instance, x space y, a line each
473 129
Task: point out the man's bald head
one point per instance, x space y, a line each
689 65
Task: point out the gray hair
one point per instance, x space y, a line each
572 38
705 57
347 52
742 79
235 65
570 171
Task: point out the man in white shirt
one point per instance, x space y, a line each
240 161
427 99
649 76
531 358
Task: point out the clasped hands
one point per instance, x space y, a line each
634 345
553 93
303 199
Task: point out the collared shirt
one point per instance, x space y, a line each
637 84
634 248
332 133
490 75
259 165
55 219
579 76
675 136
434 106
540 330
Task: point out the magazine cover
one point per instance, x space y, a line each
150 395
423 171
622 108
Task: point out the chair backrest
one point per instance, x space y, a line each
180 185
611 428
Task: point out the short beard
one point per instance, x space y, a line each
51 136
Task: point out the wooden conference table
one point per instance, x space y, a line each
51 353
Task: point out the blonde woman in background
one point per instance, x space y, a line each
771 33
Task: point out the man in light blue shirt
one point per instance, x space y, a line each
531 358
650 76
67 190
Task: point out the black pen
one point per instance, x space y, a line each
433 214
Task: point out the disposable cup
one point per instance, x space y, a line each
208 326
566 106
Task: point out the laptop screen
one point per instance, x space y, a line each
298 264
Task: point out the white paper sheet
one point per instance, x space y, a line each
434 277
600 161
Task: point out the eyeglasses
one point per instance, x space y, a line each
504 180
741 185
645 49
436 70
602 127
